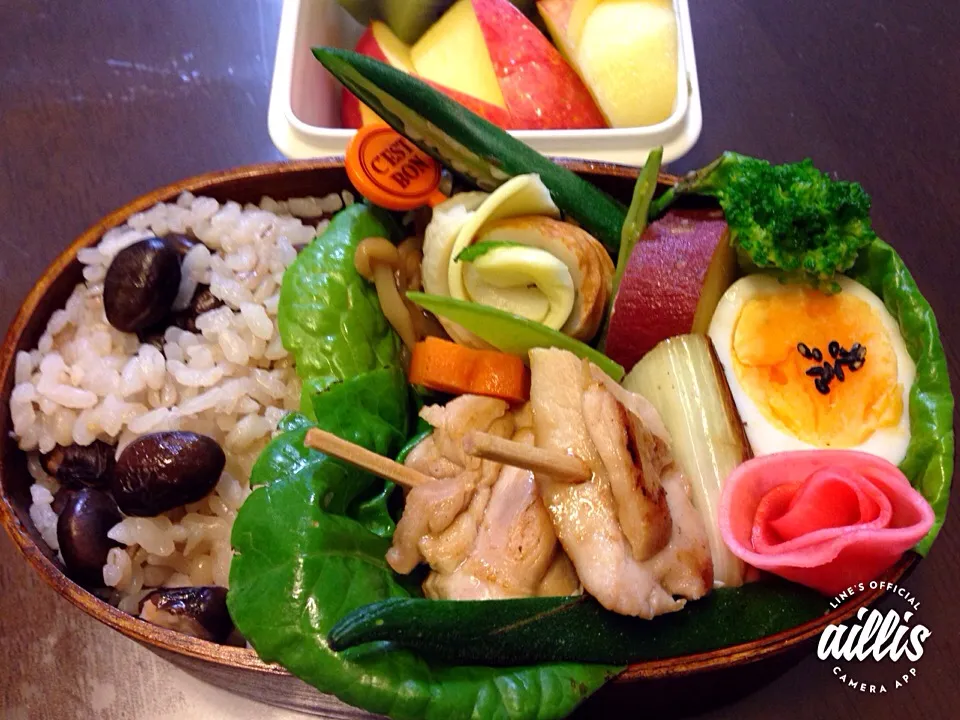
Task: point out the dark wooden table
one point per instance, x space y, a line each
102 101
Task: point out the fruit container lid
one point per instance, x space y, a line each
304 111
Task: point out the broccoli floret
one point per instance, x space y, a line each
792 218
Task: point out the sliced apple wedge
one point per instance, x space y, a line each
627 55
541 91
580 10
380 43
454 54
674 279
626 51
489 49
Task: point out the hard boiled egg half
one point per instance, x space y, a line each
775 341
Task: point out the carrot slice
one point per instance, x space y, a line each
448 367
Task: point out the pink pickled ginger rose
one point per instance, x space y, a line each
828 519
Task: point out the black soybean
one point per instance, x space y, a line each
164 470
197 611
78 465
82 527
141 285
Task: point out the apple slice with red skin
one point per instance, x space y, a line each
674 279
379 43
541 91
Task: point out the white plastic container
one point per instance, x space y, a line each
304 115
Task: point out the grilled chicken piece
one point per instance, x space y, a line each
430 510
635 539
628 452
481 527
515 546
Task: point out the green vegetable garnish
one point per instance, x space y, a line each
505 632
472 252
929 460
511 333
329 316
637 214
633 226
791 218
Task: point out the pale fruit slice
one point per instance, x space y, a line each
580 10
627 54
675 277
454 54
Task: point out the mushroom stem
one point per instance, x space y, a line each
378 259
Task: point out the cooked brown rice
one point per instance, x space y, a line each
231 380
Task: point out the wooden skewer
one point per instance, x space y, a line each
361 457
550 462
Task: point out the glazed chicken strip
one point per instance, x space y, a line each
635 539
481 527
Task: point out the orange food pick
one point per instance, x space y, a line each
391 171
448 367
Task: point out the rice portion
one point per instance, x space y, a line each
231 379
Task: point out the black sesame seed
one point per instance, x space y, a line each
821 386
834 349
838 372
817 355
827 372
804 350
815 371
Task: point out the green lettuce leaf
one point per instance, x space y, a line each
305 559
929 460
329 316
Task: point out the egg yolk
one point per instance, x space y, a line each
772 371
